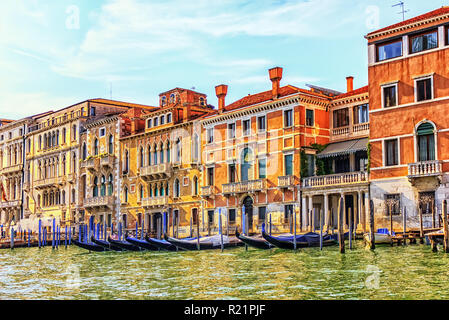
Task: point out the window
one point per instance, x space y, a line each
111 145
163 101
210 135
110 185
195 186
288 162
125 195
202 103
361 114
210 176
141 192
262 168
231 215
103 186
341 118
424 41
391 152
288 118
390 96
246 127
261 123
64 133
92 111
155 122
423 89
149 123
210 215
177 189
84 152
141 158
95 189
102 132
196 148
162 120
389 50
392 204
232 173
426 142
231 130
288 211
96 147
310 121
262 213
169 118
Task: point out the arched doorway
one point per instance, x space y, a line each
248 205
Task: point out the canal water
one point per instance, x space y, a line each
411 272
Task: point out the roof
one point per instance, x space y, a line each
121 103
355 92
344 148
428 15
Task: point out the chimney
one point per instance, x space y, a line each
349 84
275 77
221 91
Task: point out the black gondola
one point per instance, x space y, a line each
206 243
106 244
89 246
124 245
161 244
142 243
254 242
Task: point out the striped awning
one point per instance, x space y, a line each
344 148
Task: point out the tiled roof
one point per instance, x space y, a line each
428 15
352 93
121 103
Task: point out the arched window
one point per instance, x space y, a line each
149 155
195 186
168 151
111 145
177 189
141 192
161 153
74 162
151 191
162 120
126 164
45 141
161 190
110 185
95 189
196 148
125 194
63 197
73 196
141 157
167 189
84 151
63 165
74 132
426 142
154 155
156 191
246 164
178 150
163 101
202 103
172 98
96 147
103 186
149 123
64 132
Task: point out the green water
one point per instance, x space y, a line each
411 272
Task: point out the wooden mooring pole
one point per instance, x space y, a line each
350 227
445 227
341 234
372 240
404 222
321 229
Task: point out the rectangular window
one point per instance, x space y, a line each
390 96
288 160
391 152
361 114
392 204
310 121
288 118
210 176
210 215
232 173
92 111
262 168
231 215
389 50
341 118
424 89
288 211
231 130
210 135
262 213
425 41
261 125
246 127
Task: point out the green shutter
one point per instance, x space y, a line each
425 128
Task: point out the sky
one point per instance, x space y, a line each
56 53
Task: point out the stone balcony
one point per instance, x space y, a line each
348 132
425 169
12 170
91 164
107 161
250 186
10 204
340 179
97 202
155 201
54 182
286 181
207 191
155 172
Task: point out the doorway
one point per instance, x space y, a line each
248 204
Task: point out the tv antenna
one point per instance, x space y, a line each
403 11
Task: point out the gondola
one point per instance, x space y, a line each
254 242
105 244
310 239
206 243
124 244
142 244
89 246
161 244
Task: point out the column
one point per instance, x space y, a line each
366 211
311 224
326 212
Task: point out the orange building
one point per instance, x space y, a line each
409 119
252 150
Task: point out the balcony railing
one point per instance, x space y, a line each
10 204
361 127
207 191
156 171
103 201
107 161
90 164
356 130
245 186
335 179
340 131
155 201
50 182
425 168
12 169
286 181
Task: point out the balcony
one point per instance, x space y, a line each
107 161
286 181
158 171
207 191
425 169
336 180
10 204
97 202
91 164
155 201
55 182
355 130
11 170
245 186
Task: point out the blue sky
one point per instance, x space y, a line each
50 59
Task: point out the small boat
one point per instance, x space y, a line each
89 246
206 243
161 244
255 242
310 239
382 236
124 244
142 244
105 244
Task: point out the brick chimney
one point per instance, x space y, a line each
275 77
349 84
221 91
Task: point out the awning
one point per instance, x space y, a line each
344 148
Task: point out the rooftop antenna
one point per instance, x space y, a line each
403 11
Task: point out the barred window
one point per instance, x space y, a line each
392 204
